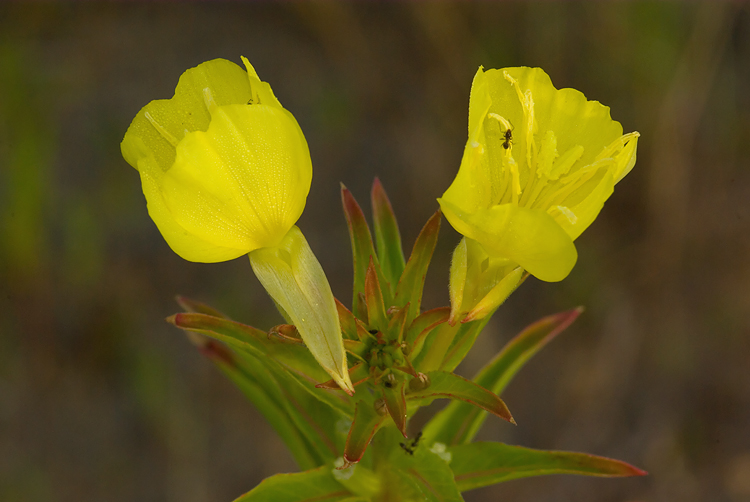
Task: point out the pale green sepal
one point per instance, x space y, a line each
293 277
529 237
496 296
457 284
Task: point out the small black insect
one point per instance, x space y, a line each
508 139
412 446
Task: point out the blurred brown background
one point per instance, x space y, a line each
101 400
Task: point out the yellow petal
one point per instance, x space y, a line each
626 158
185 112
577 218
528 237
243 183
182 242
567 112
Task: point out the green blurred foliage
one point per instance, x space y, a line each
102 400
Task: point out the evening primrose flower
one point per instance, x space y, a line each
537 167
226 171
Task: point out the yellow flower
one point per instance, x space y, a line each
226 172
224 168
537 167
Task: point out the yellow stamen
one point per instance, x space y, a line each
208 100
616 145
164 133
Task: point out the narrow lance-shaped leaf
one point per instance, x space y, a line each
387 236
395 403
200 308
411 284
365 424
458 422
264 393
309 486
450 385
359 373
268 397
481 464
362 249
348 321
275 353
241 336
422 325
425 469
376 318
316 422
397 323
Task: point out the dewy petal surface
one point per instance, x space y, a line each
243 183
185 112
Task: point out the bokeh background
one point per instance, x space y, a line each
100 399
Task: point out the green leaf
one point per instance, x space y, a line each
418 472
397 323
481 464
318 424
294 357
291 392
362 250
266 401
458 423
411 283
387 236
376 318
317 485
358 374
347 321
422 325
358 479
365 424
450 385
395 403
198 307
254 380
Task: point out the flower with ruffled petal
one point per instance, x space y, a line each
537 168
226 171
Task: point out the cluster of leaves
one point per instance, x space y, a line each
400 360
